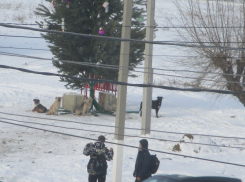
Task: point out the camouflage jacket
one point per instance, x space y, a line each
99 154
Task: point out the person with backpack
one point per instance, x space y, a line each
99 154
142 166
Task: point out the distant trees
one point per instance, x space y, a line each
216 23
87 17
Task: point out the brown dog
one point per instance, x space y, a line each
79 110
84 108
39 108
87 105
55 107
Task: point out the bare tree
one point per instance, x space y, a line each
218 23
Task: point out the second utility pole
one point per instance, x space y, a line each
122 92
148 75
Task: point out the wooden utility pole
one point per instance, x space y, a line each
122 92
148 75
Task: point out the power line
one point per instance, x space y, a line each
192 42
194 143
121 67
139 26
118 67
19 36
106 66
122 83
175 27
167 41
116 38
195 78
22 23
148 55
21 55
158 151
24 48
165 55
201 27
110 126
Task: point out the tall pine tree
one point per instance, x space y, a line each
86 17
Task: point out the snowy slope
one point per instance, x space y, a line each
32 155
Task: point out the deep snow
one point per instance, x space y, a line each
32 155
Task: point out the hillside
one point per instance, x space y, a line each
30 155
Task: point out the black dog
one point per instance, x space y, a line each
156 104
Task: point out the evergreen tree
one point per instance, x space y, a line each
86 17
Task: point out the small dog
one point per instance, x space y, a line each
55 107
84 108
156 104
39 108
79 110
87 105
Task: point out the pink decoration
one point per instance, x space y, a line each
53 3
101 31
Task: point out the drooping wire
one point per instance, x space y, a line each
122 83
124 145
117 39
130 128
162 55
19 36
79 129
121 68
1 47
140 26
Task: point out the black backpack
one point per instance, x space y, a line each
99 165
154 164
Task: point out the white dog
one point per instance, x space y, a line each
79 110
84 108
87 105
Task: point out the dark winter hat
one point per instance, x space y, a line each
101 138
144 143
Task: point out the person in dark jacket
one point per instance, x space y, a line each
142 166
97 165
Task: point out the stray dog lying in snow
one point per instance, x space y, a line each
39 108
84 108
156 104
55 107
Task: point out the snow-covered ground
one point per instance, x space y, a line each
33 155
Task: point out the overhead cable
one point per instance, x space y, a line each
122 83
168 55
1 47
141 26
106 66
152 138
130 128
24 56
20 36
154 41
164 55
124 145
116 38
